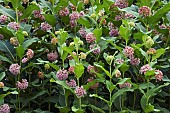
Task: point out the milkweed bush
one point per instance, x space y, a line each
64 56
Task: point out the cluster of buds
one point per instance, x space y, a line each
121 3
151 51
72 7
134 61
1 84
117 73
41 75
70 57
54 41
14 69
149 42
91 69
82 32
64 11
25 1
119 61
30 54
47 66
80 91
22 85
128 51
71 83
52 56
37 14
114 32
71 70
62 74
14 41
158 75
3 19
96 85
82 55
1 37
90 38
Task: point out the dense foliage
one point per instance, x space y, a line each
84 56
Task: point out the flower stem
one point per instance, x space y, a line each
80 102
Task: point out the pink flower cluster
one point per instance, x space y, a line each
110 25
4 108
1 37
64 12
90 38
71 83
90 69
79 91
82 32
95 85
71 70
52 56
128 51
74 16
97 50
119 61
128 16
114 32
158 75
144 69
3 19
62 74
14 26
144 11
134 61
37 14
30 54
22 85
126 84
14 69
45 26
121 3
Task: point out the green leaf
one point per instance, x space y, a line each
95 95
6 33
26 27
144 54
54 66
110 86
9 12
159 52
29 11
124 32
79 70
149 73
122 81
20 51
2 75
120 92
50 19
2 58
63 38
15 3
146 2
124 68
107 72
98 34
46 4
84 22
159 14
94 107
20 36
28 42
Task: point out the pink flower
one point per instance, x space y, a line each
95 85
144 69
79 91
119 61
121 3
144 11
90 69
1 37
128 51
30 53
14 69
74 16
71 84
3 19
4 108
134 61
82 32
71 70
90 38
110 25
22 85
62 74
158 75
114 32
37 14
81 14
119 17
64 12
45 26
97 50
73 23
126 84
24 60
14 26
52 56
127 16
